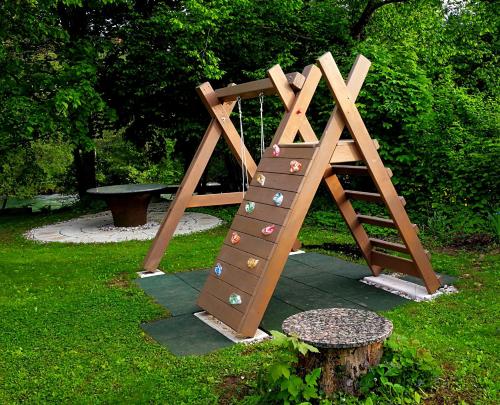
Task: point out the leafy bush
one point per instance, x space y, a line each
120 161
403 375
280 383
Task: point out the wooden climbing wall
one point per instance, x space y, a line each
244 259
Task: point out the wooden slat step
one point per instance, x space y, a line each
220 309
395 263
239 259
370 197
293 152
377 221
265 212
299 145
253 245
383 222
287 182
397 247
354 170
380 243
282 165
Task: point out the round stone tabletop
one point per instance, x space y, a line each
338 327
127 189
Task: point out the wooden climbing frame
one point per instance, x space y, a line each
255 251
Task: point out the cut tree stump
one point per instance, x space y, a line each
350 341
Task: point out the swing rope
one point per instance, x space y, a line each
244 174
262 140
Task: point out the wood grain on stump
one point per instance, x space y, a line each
350 341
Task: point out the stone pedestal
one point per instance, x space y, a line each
350 341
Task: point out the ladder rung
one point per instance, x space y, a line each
380 243
377 221
395 263
397 247
354 170
370 197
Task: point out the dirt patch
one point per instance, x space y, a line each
120 281
233 389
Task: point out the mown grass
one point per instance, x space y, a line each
70 316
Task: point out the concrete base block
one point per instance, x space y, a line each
228 332
146 274
405 289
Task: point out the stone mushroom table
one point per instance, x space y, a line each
350 341
128 202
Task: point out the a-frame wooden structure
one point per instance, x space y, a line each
239 287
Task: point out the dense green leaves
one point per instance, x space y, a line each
75 69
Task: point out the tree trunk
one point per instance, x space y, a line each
85 171
341 369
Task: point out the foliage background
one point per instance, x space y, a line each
103 91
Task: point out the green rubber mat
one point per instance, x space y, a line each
309 281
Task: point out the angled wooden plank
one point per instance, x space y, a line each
377 170
184 194
294 118
231 135
287 96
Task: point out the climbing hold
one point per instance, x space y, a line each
249 207
234 299
276 150
252 263
261 179
278 199
235 238
218 269
268 230
295 166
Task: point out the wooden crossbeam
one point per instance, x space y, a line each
208 200
255 88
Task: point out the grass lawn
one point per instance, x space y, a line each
70 316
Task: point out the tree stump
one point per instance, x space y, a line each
350 341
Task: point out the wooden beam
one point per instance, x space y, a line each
209 200
253 89
383 244
369 197
395 263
